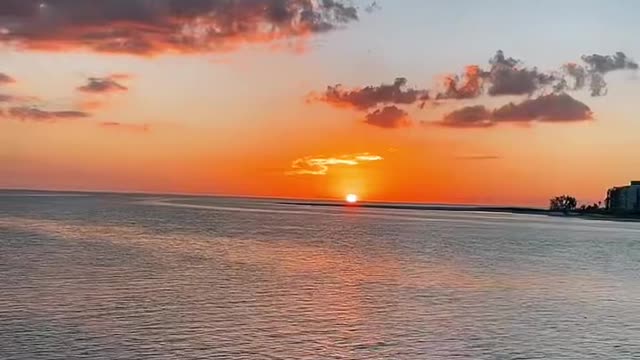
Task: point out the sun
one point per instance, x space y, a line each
351 198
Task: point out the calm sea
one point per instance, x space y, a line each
150 277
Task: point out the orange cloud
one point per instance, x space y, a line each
142 27
320 165
467 87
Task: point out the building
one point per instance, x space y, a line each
624 198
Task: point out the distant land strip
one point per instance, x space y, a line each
471 208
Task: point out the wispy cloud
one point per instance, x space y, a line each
4 98
114 125
594 70
478 157
373 7
320 165
6 79
102 85
30 113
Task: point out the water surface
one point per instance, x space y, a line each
146 277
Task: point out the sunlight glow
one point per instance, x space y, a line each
352 198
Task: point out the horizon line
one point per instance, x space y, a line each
240 196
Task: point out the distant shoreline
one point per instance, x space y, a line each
499 209
471 208
330 203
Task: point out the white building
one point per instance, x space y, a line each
624 198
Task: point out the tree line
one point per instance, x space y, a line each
567 203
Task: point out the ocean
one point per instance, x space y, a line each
114 276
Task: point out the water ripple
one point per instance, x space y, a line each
109 277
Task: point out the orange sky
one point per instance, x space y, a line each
233 116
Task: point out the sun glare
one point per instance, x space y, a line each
352 198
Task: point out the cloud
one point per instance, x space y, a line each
320 165
594 70
371 96
505 76
469 116
549 108
546 92
546 108
466 87
100 85
388 117
373 7
6 79
576 72
508 77
114 125
6 98
148 27
29 113
607 63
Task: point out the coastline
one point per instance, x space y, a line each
471 208
336 204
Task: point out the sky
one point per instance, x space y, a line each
466 101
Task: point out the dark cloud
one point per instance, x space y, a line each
469 117
6 79
505 76
546 92
102 85
550 108
388 117
592 73
147 27
125 127
509 77
29 113
372 96
546 108
599 65
607 63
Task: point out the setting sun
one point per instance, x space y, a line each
352 198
